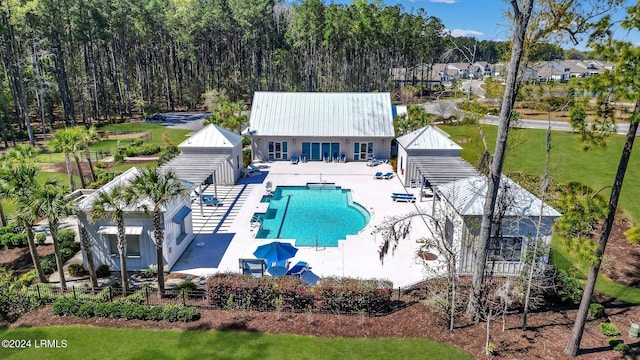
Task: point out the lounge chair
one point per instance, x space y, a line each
388 175
343 158
325 157
373 162
403 197
294 159
298 268
335 157
210 200
253 167
303 157
378 175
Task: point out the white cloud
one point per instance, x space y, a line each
461 32
443 1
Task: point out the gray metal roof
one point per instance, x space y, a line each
212 136
428 138
439 170
195 168
467 196
321 114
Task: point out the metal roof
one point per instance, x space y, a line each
195 168
439 170
428 138
467 196
212 136
321 114
123 180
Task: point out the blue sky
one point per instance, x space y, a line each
483 19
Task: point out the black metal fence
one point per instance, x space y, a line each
47 294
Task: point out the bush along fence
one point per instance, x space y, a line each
236 292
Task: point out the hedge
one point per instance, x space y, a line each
123 308
233 291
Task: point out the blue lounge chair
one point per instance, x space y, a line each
294 159
335 157
378 175
388 175
210 200
343 158
303 157
325 157
402 197
298 268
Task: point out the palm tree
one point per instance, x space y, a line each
20 177
87 245
68 141
159 189
87 137
112 205
51 201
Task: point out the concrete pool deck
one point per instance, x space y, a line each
357 256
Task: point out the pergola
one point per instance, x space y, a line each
196 169
439 170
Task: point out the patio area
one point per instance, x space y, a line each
357 256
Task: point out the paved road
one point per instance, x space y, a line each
542 124
190 121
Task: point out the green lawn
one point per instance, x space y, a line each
159 135
569 162
10 207
110 343
564 260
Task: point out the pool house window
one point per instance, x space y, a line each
362 150
317 150
133 245
277 150
505 248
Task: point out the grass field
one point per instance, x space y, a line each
569 162
10 207
109 343
159 136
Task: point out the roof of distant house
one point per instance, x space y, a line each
321 114
428 138
467 196
212 136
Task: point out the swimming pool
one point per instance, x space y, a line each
305 213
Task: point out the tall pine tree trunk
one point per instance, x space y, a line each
520 21
578 328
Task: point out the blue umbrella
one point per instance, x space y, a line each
275 252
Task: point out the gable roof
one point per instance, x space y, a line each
467 196
123 179
212 136
427 138
321 114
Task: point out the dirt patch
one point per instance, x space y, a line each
61 167
621 259
19 259
128 136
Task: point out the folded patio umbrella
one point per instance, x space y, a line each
275 252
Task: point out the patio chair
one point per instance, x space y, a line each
303 157
325 157
335 157
401 197
248 172
388 176
343 158
253 267
210 200
298 268
294 159
378 175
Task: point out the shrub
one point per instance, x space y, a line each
131 311
119 158
137 142
596 310
188 313
149 273
48 264
103 271
40 239
633 235
86 310
613 342
148 149
187 285
100 165
76 270
567 289
130 151
154 313
170 312
622 347
65 306
167 154
67 238
608 329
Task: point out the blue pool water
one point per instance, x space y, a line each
305 213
